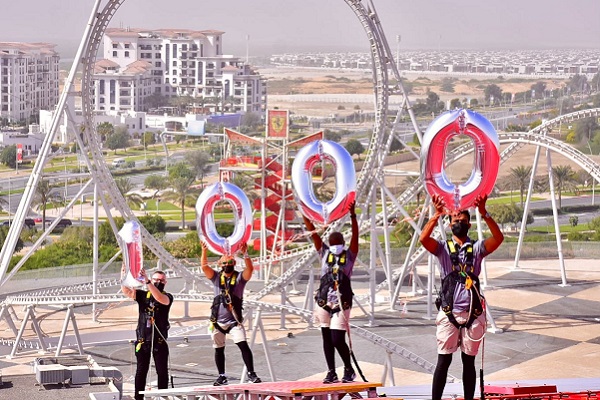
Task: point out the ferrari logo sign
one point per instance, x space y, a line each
277 123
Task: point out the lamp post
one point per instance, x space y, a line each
593 179
398 37
144 138
66 190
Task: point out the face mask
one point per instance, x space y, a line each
460 229
336 249
160 286
228 269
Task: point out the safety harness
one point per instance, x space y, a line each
335 280
462 274
149 322
229 300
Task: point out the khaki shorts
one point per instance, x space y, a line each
450 339
237 333
335 321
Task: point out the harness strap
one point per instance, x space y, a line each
224 331
456 264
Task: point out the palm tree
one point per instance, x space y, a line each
44 195
520 176
181 179
199 161
564 178
125 186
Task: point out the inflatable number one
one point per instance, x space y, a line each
345 181
205 220
486 160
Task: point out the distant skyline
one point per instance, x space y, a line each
277 26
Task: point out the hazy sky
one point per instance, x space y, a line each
276 26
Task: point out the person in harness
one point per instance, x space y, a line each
226 311
334 296
152 330
461 319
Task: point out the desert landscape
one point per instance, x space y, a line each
286 83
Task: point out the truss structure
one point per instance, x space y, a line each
372 192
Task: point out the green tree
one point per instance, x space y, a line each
585 129
9 156
577 84
43 195
119 139
105 129
539 88
455 103
154 224
493 94
4 234
434 105
155 100
181 103
181 179
199 161
106 235
125 186
157 182
334 136
564 179
148 138
354 147
184 247
520 177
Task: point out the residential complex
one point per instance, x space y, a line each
29 79
555 63
139 64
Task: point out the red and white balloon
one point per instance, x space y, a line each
205 218
486 160
345 181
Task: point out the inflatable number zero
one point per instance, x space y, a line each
240 205
486 158
345 181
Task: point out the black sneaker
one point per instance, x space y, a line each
349 375
331 377
253 378
221 380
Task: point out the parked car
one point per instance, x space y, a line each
28 223
63 223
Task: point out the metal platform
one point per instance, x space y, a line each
288 390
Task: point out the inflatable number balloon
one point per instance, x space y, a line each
486 158
345 181
133 255
242 212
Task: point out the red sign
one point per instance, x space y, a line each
19 153
277 123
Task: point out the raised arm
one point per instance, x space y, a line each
157 294
206 269
493 242
354 239
249 267
425 238
313 233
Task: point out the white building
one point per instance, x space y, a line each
138 63
29 79
31 141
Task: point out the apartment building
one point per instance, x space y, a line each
140 63
29 79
